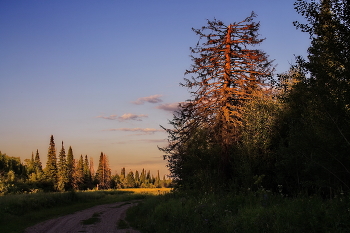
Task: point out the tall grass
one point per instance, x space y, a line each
240 213
28 209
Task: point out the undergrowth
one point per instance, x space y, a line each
250 212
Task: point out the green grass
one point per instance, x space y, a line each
250 212
29 209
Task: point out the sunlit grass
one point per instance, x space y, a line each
153 191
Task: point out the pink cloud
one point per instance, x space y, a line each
111 117
150 99
130 116
124 117
141 130
172 107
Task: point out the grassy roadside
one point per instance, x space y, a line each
18 212
251 212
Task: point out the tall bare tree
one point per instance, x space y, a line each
227 71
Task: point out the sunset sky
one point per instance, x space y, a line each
103 75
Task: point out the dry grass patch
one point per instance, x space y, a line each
153 191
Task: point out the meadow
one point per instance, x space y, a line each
19 211
248 212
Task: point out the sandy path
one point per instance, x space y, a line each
108 214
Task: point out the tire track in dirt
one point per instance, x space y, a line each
97 219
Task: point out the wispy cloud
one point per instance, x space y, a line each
151 141
111 117
140 130
124 117
150 99
130 116
172 107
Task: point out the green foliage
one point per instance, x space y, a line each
8 163
249 212
130 180
259 138
12 173
313 156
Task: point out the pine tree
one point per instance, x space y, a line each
63 176
78 176
130 180
137 179
103 173
122 177
148 179
143 178
157 182
122 173
87 173
70 168
37 163
92 170
30 166
51 164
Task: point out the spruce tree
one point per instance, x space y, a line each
70 168
130 180
157 182
92 170
87 173
143 176
63 177
137 179
37 163
30 166
103 173
51 164
122 177
78 176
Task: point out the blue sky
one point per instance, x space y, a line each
103 75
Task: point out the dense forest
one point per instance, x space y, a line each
67 173
247 128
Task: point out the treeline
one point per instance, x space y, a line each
245 128
67 173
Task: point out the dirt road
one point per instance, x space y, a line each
101 218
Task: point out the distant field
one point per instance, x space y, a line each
154 191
